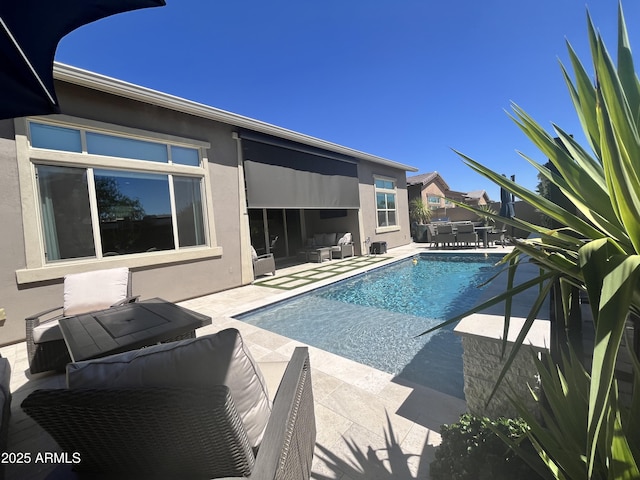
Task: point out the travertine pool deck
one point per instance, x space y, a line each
369 425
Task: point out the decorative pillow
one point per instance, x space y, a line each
318 239
254 254
221 358
97 290
344 239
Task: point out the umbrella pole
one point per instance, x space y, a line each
26 60
513 205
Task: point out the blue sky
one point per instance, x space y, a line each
407 80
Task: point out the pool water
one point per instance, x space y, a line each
374 318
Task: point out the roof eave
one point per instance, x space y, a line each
96 81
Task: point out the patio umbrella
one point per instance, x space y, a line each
506 204
507 209
29 34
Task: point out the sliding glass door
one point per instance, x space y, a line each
277 231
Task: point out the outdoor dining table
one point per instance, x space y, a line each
485 234
128 327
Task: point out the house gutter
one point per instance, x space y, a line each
95 81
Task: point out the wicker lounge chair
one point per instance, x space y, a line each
166 432
83 292
263 264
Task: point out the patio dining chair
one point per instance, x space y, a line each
192 409
496 236
444 235
83 293
466 234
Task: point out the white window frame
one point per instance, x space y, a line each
37 269
394 191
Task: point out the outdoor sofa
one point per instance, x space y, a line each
341 244
195 408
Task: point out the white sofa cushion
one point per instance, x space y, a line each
216 359
97 290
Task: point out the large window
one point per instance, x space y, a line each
115 195
386 202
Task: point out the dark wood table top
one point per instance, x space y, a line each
127 327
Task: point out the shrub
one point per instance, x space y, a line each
471 450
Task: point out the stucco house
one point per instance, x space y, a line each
475 197
431 188
175 190
436 194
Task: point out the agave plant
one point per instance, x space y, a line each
488 214
561 437
418 211
598 249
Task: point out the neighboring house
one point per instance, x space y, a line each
175 190
436 194
431 188
478 197
474 198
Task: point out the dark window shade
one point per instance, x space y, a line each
278 177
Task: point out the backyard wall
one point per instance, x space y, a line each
482 363
523 211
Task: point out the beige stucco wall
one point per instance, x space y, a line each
173 282
368 215
433 189
12 245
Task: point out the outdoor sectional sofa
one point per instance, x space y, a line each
341 244
196 408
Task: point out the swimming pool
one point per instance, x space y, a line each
374 317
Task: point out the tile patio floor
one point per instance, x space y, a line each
369 425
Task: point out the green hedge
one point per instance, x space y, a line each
471 451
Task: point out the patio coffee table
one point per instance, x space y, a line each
128 327
319 254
